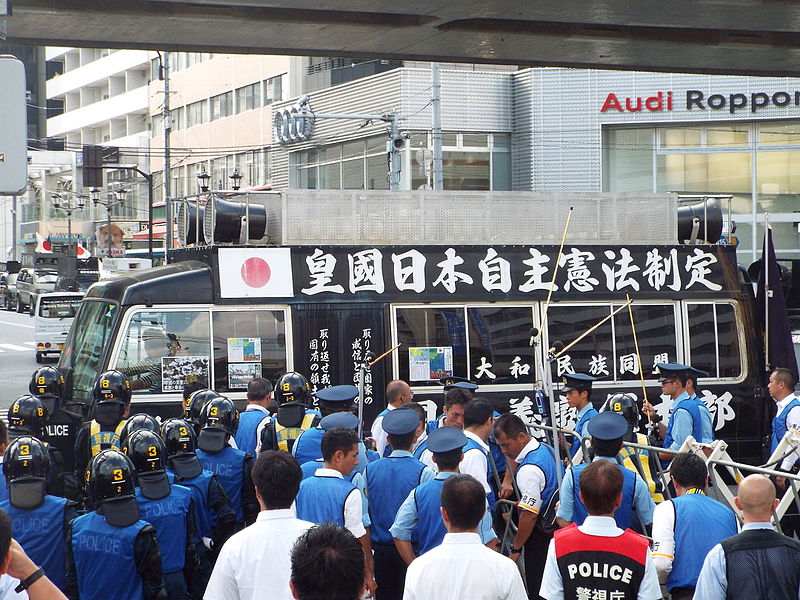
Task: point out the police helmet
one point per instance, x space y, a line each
47 381
148 454
625 405
195 403
218 419
180 441
111 480
26 466
293 387
28 414
112 386
136 422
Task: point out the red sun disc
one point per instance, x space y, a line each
256 272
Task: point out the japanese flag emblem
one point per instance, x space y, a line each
255 273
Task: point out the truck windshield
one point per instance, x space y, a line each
86 346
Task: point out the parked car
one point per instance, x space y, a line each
31 283
9 297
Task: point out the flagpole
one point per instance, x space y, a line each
765 266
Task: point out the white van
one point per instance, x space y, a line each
52 318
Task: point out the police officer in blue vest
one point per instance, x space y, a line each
111 551
419 518
478 419
168 508
259 398
389 481
328 496
686 528
688 416
194 404
232 467
578 390
458 392
294 414
40 520
607 430
137 422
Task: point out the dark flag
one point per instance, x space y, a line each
774 318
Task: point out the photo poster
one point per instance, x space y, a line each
430 363
176 371
244 350
240 374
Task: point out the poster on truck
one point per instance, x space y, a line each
430 363
177 371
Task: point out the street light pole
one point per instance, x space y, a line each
68 207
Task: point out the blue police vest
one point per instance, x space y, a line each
473 445
623 515
169 516
205 519
321 499
435 424
779 427
430 529
310 467
308 447
388 450
228 466
700 524
420 449
579 427
104 559
544 458
497 456
245 437
389 481
3 490
693 406
40 532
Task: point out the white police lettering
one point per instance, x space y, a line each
661 358
579 276
598 365
496 272
629 363
618 277
163 508
697 265
564 365
320 270
96 542
523 408
518 368
483 369
409 271
366 271
536 272
448 277
719 407
600 571
658 268
58 430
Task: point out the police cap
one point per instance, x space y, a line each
446 439
577 381
667 371
607 426
452 381
340 419
400 421
338 393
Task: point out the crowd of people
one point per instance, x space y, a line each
285 500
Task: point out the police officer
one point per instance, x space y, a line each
219 420
294 414
47 383
607 430
478 419
111 551
137 422
166 507
40 520
398 394
111 397
420 514
259 399
389 481
193 407
457 394
578 390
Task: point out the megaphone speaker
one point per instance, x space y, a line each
223 222
708 226
188 230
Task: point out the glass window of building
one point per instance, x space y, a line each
273 90
196 113
222 106
248 97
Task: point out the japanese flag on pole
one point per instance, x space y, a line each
43 245
255 273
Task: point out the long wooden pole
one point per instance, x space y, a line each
555 272
389 351
638 355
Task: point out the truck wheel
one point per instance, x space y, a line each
39 357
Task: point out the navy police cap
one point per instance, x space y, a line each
667 370
577 381
338 393
459 382
446 439
340 419
400 421
607 426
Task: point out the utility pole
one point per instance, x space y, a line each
14 227
436 109
167 174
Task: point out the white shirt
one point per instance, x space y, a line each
256 560
353 505
475 462
552 584
461 567
792 422
427 456
530 480
7 585
378 434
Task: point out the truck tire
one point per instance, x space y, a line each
39 357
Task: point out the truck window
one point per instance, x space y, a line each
436 340
655 332
714 338
248 344
499 344
162 350
594 354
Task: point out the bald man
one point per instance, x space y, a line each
398 393
757 563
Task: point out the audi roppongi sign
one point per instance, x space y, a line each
293 124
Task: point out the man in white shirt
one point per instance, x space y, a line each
398 393
462 567
477 427
257 558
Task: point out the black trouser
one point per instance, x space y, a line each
390 572
535 557
682 593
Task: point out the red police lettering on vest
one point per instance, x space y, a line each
653 103
603 571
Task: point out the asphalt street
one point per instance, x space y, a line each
17 356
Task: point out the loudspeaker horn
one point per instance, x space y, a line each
224 222
701 221
188 230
